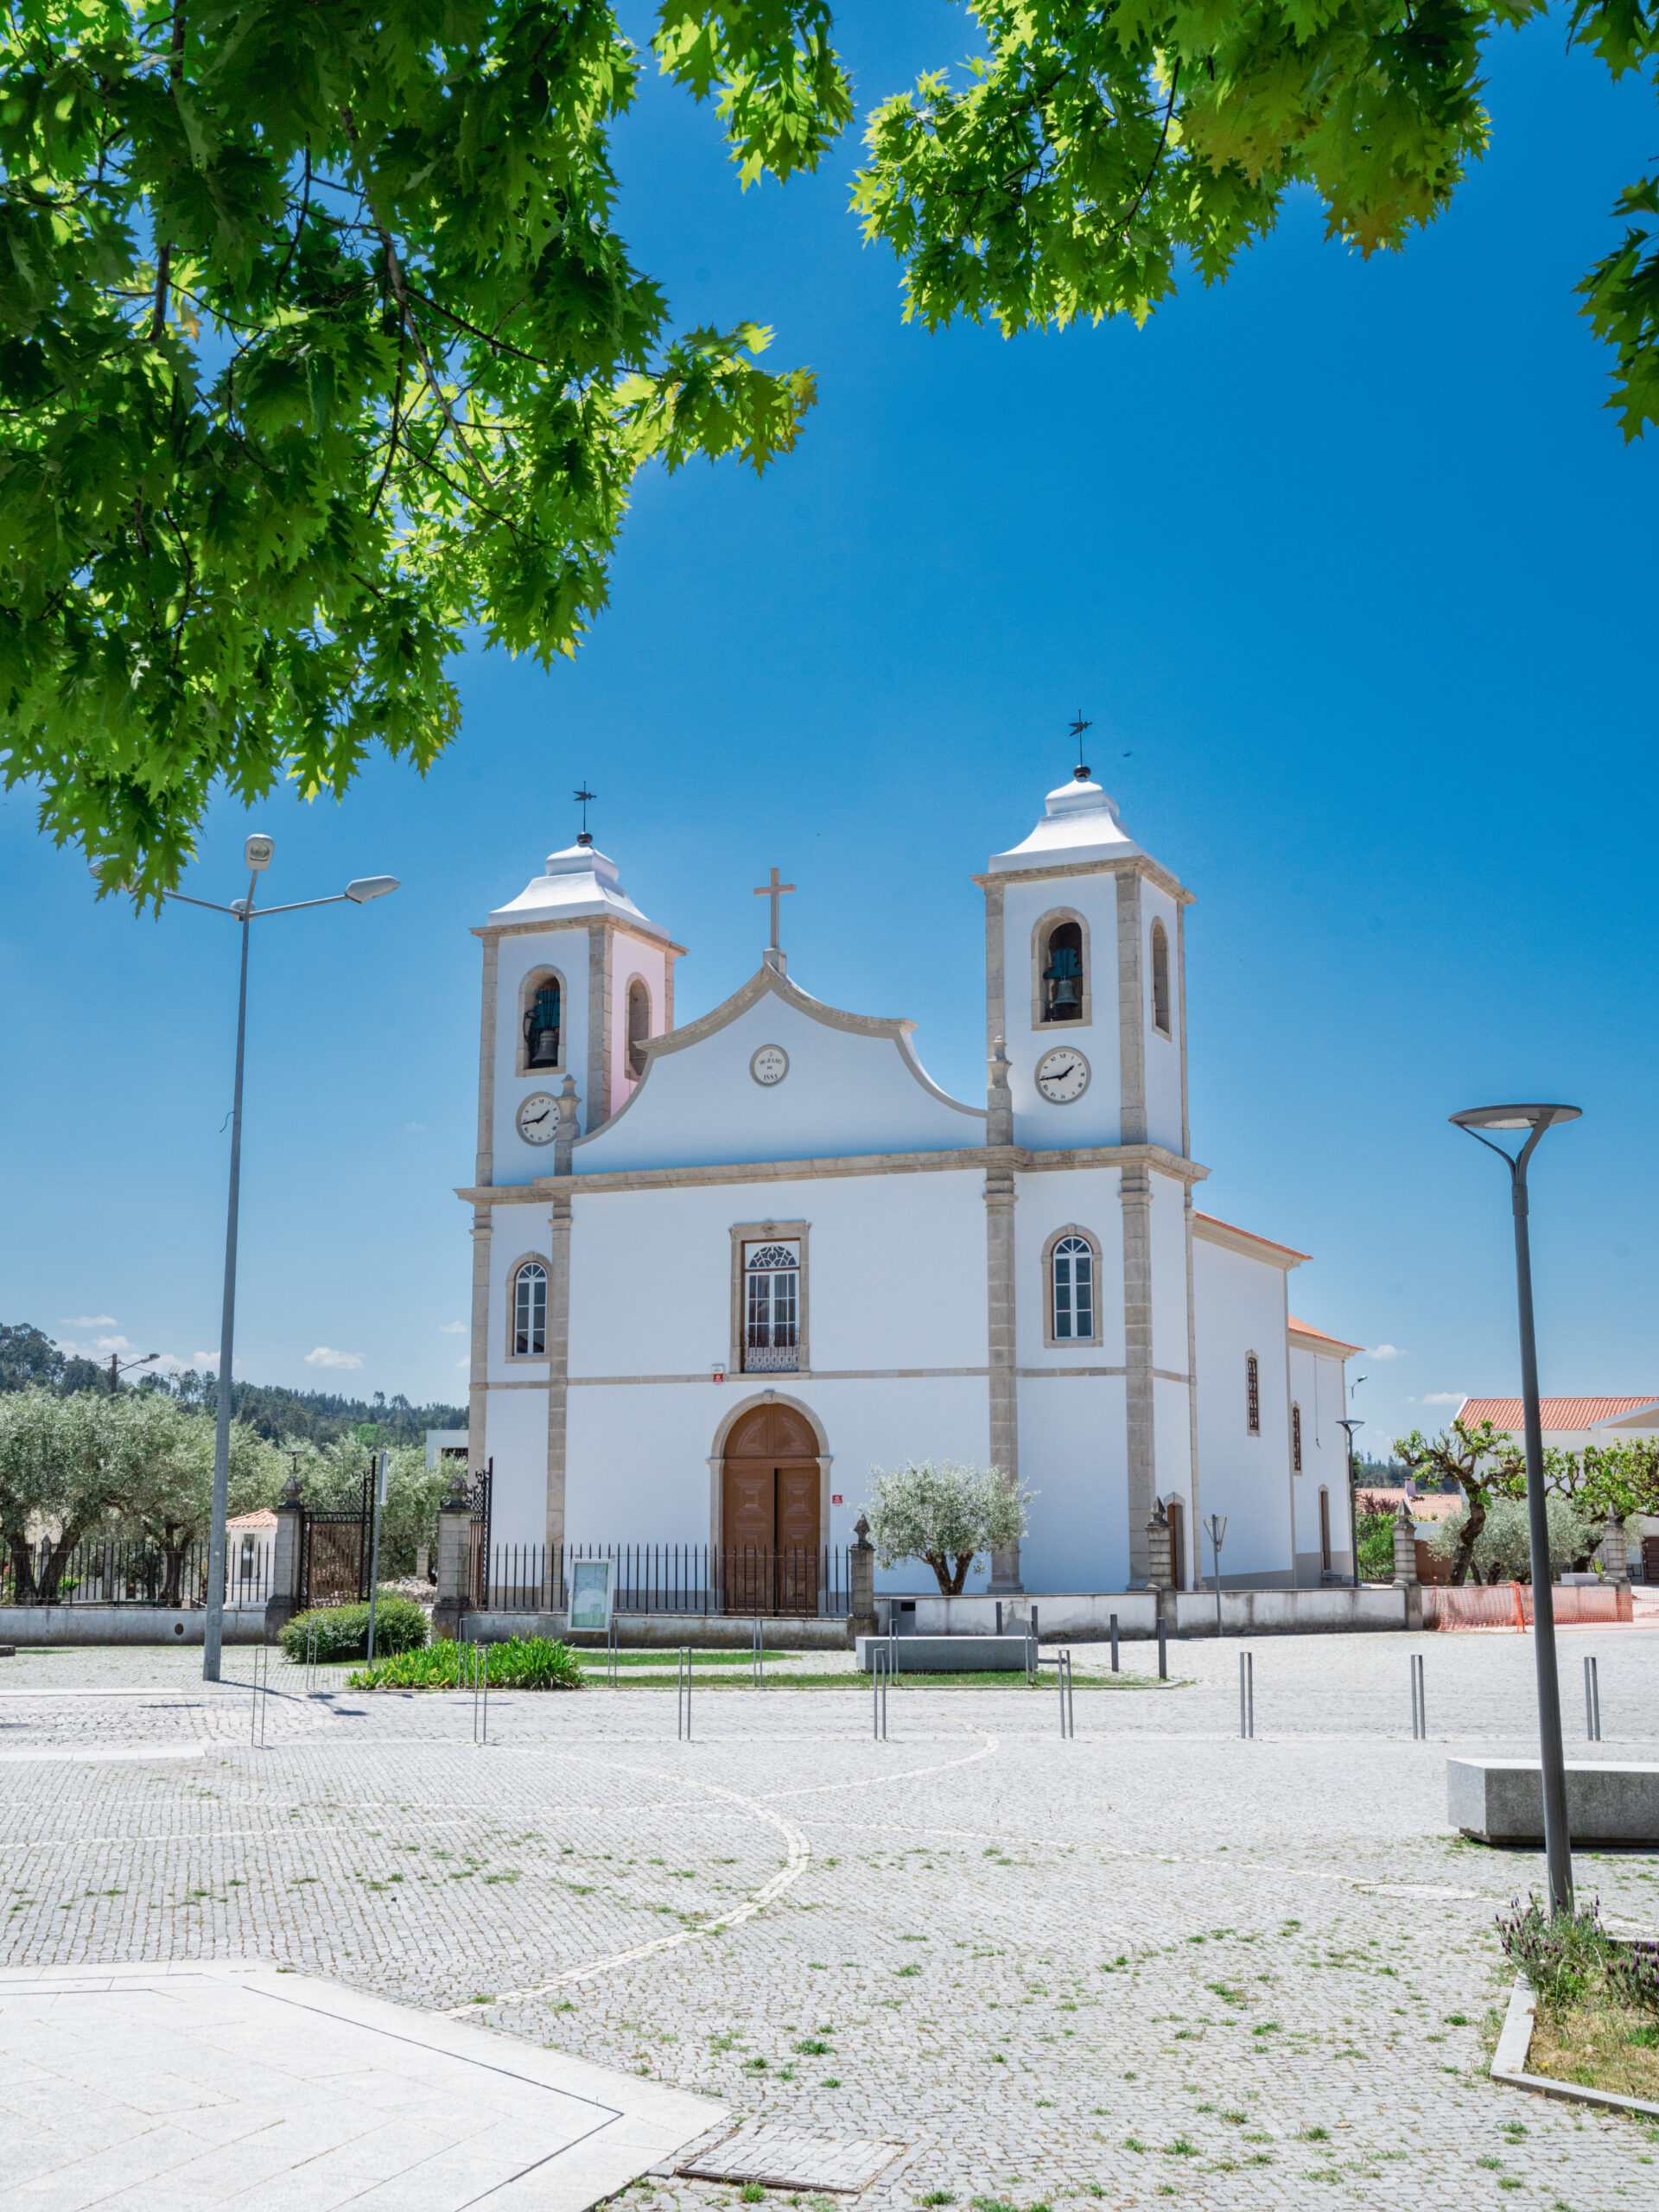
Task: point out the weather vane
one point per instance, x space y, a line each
1076 728
583 796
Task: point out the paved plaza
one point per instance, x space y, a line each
1153 1962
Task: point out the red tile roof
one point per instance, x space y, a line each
262 1519
1308 1329
1251 1234
1505 1414
1431 1505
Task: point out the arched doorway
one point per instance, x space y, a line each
771 1534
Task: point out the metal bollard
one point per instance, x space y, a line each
610 1654
879 1670
758 1661
310 1658
480 1671
1419 1700
1068 1715
683 1695
1591 1701
1163 1651
1246 1694
1115 1643
259 1687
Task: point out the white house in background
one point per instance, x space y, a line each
719 1270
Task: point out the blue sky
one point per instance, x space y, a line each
1354 573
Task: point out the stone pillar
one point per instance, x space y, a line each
1134 1195
558 1372
1000 1199
861 1619
1615 1553
478 1380
1405 1547
454 1560
1160 1563
284 1599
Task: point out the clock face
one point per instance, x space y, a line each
769 1066
1062 1076
538 1118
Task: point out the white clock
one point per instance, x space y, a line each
1062 1076
538 1118
769 1065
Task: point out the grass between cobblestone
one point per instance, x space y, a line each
1599 2047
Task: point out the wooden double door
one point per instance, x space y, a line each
771 1530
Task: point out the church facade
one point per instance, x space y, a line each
721 1270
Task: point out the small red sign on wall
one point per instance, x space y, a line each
834 1498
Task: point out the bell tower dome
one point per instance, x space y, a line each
1084 980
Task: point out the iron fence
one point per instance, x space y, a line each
806 1579
133 1571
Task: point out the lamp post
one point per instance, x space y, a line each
1558 1842
1348 1427
117 1368
256 857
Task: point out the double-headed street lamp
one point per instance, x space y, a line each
1558 1842
256 854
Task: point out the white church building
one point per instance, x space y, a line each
721 1270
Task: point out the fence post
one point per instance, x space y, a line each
455 1531
284 1599
1405 1546
860 1583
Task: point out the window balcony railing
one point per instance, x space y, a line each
771 1359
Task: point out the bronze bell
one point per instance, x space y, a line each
544 1048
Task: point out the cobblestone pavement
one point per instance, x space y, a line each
1153 1962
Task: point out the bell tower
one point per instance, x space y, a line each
576 982
1083 980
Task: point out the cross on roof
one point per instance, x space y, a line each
774 891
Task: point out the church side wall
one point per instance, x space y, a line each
1241 1309
1316 1385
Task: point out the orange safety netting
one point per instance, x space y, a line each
1508 1604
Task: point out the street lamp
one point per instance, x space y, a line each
256 857
117 1368
1558 1841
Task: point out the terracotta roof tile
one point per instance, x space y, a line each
1558 1414
1250 1233
1308 1329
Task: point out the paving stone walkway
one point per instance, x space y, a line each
1153 1962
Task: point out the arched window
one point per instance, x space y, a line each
542 1026
1252 1394
639 1026
1160 980
1072 1272
1325 1530
1062 978
1296 1439
771 1307
530 1311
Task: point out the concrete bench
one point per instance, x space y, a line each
1501 1801
945 1655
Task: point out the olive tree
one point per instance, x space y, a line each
60 1475
1482 1461
1502 1549
946 1515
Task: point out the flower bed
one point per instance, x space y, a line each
526 1662
1596 2013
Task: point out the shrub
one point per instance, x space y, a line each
343 1630
1377 1546
1503 1548
527 1663
1561 1956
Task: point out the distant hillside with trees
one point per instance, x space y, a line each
28 1357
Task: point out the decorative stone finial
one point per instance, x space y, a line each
861 1530
291 1488
457 1500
